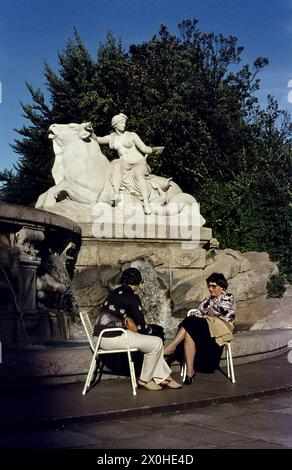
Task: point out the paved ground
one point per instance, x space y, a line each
259 423
213 413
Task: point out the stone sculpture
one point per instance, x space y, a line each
84 176
131 172
80 169
38 252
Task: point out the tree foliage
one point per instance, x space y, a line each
190 93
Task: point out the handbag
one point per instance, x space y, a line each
129 324
156 330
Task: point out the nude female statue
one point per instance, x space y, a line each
130 171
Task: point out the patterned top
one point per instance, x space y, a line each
222 307
123 302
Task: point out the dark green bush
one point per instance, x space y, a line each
276 286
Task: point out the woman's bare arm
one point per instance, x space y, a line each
100 140
140 144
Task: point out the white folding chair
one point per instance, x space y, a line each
94 343
229 360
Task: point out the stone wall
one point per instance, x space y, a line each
162 263
174 274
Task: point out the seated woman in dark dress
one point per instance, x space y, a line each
201 337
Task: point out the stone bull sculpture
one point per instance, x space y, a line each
80 168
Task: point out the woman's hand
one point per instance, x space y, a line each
88 126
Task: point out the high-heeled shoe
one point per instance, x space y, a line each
189 379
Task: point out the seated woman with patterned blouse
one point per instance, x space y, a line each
201 337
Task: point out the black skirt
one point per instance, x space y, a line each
208 353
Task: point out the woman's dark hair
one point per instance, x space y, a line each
131 277
219 278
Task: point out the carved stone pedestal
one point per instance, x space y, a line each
171 269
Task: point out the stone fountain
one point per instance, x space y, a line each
99 236
38 251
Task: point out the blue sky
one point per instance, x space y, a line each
32 31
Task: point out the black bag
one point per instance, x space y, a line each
156 330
